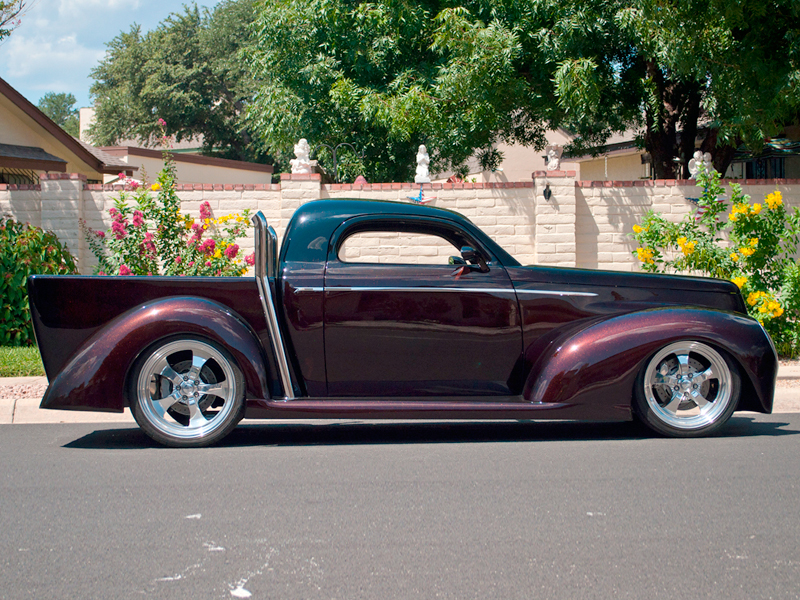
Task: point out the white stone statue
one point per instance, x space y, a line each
301 164
423 160
700 159
554 157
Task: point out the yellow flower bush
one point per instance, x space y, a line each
774 200
752 244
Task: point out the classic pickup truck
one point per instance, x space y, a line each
323 332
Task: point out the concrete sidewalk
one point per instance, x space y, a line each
26 410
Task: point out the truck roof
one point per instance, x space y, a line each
311 226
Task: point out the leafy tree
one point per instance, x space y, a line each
10 11
187 72
391 74
60 107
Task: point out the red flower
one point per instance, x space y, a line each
123 270
205 210
138 218
250 259
231 251
100 234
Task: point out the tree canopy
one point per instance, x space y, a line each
388 75
391 74
60 107
186 72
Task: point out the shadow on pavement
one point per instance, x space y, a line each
449 432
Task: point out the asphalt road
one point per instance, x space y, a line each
398 510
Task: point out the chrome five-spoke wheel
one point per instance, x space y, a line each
187 392
686 389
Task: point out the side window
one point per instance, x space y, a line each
397 247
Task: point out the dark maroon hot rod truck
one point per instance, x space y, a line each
317 334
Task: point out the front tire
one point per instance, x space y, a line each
687 389
186 391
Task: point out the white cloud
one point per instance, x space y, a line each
61 41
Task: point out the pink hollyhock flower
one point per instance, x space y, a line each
208 246
101 272
118 229
113 212
231 251
100 234
219 273
250 259
148 243
134 185
191 263
138 218
121 175
208 263
205 210
123 270
177 260
162 122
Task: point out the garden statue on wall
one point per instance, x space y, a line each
423 160
302 162
554 157
700 159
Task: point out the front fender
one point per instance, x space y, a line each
593 370
94 377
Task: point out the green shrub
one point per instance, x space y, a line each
753 245
25 250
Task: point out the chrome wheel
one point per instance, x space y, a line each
188 392
688 388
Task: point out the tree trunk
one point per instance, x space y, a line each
690 115
660 136
721 155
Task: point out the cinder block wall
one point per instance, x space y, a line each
578 223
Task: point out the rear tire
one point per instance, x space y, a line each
186 391
687 389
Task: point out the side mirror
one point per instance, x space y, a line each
456 260
473 257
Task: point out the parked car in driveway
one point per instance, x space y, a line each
322 331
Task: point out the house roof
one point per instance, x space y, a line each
29 157
81 151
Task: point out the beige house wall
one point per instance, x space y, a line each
188 172
582 224
626 167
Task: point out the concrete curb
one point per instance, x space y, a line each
27 411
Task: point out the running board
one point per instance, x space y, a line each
509 407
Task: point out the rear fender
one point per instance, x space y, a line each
94 378
593 370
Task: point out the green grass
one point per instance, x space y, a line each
20 362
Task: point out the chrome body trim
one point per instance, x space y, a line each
557 293
266 243
444 289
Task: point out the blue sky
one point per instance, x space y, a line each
60 41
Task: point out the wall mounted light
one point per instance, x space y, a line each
547 192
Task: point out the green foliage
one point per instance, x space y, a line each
187 71
20 362
61 109
754 246
25 250
149 236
